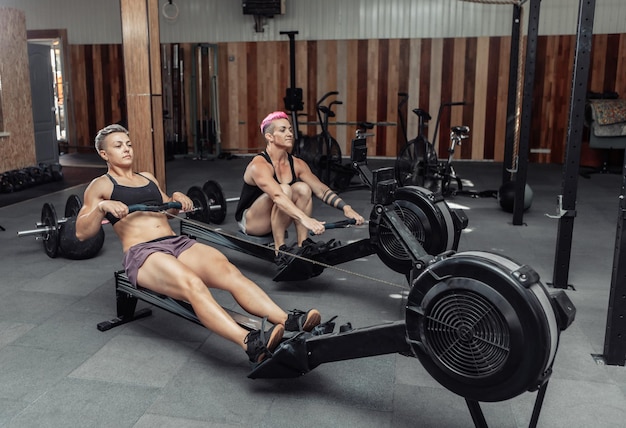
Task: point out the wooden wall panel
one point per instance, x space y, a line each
17 149
415 90
352 88
97 91
369 74
483 76
500 60
392 88
620 81
341 133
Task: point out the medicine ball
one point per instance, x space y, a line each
506 196
72 248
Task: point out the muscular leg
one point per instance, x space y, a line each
279 220
263 217
301 196
258 216
222 274
167 275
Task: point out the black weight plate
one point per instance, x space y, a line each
200 203
51 238
214 193
73 206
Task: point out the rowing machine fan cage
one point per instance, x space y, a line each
427 216
482 326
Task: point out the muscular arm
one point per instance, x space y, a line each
261 174
186 203
324 192
95 206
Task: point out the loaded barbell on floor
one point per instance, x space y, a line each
210 201
59 234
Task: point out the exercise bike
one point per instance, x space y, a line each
417 163
322 152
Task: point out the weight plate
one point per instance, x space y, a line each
214 193
200 203
73 206
50 222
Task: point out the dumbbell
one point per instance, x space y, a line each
59 234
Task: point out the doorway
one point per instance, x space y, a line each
53 95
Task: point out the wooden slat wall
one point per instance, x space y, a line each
97 91
368 74
17 150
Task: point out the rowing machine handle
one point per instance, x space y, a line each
154 208
337 225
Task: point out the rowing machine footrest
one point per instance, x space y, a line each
289 360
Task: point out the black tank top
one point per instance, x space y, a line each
250 193
146 195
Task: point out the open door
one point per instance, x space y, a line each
44 111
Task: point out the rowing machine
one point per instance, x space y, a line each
482 325
426 214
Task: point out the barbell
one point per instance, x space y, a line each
210 201
59 234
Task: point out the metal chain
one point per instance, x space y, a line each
315 262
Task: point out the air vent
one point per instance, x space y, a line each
263 7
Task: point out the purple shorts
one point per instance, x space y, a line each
137 254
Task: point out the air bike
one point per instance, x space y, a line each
481 324
429 218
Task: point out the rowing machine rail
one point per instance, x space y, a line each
127 295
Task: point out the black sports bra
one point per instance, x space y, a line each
250 193
146 195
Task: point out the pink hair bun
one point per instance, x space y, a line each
272 117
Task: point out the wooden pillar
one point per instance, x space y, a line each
142 74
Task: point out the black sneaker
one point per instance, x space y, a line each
308 241
261 343
282 259
302 321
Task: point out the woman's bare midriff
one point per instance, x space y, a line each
140 227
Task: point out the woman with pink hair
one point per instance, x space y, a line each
278 190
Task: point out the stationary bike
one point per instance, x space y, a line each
418 165
322 152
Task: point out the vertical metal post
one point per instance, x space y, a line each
292 57
511 106
293 97
569 183
527 106
615 337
